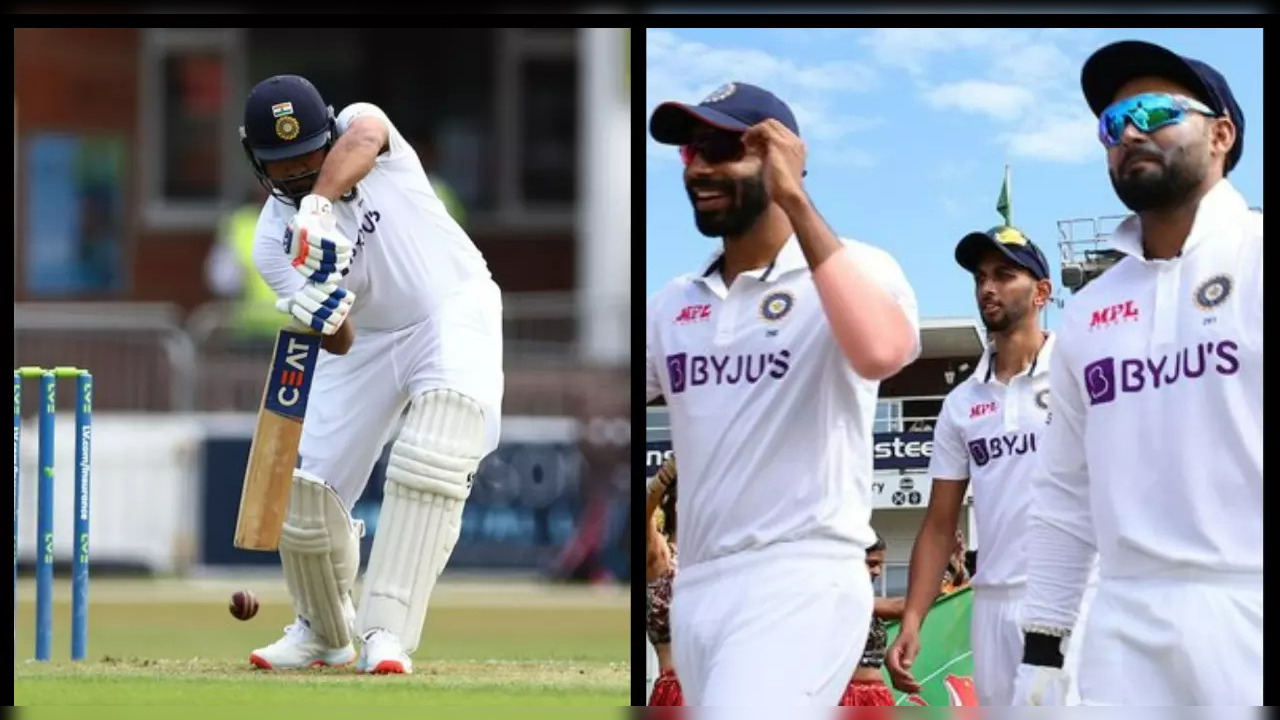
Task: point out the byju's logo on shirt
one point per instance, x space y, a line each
984 450
1105 378
685 370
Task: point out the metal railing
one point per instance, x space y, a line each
150 357
658 425
143 358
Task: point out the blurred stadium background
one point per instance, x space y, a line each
128 181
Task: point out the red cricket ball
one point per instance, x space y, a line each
243 605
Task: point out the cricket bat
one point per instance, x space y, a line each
264 499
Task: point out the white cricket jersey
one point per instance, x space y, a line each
410 254
1156 424
988 433
772 425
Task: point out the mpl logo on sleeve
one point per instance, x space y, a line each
980 409
292 367
693 313
1126 311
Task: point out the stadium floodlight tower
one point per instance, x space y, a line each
1085 251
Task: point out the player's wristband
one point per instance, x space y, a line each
1042 650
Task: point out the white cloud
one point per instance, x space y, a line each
680 69
912 49
1033 65
1070 139
999 100
1010 72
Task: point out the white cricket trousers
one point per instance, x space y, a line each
996 639
1192 640
356 399
778 627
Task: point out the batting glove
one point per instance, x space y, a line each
322 308
313 243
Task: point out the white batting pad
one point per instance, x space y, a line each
320 552
428 481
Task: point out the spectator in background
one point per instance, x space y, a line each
230 273
426 149
866 687
957 574
660 562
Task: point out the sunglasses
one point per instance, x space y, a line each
1147 112
715 148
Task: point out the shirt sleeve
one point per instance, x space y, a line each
889 275
950 458
270 258
652 381
1060 536
397 147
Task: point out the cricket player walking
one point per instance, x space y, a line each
988 435
357 246
1153 451
770 358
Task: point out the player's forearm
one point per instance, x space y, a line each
871 327
341 341
929 558
348 162
890 608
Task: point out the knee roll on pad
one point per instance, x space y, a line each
320 553
428 481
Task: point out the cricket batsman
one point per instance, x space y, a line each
770 357
359 248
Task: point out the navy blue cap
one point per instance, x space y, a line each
733 107
285 117
1108 69
1009 240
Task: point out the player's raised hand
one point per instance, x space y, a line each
783 154
322 308
312 241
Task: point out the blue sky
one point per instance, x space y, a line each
909 130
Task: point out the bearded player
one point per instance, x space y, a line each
410 316
770 357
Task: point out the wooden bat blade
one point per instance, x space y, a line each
264 499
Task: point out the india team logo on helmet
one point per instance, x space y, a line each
287 127
776 305
1213 292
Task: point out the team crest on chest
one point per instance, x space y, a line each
1213 292
1042 399
776 305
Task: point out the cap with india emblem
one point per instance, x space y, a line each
1008 240
735 107
285 117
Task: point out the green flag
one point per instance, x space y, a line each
1002 203
945 664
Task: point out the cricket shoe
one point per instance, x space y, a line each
381 654
301 648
